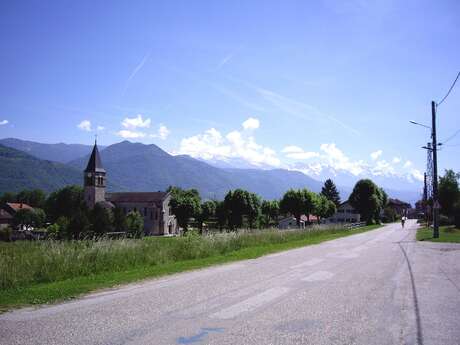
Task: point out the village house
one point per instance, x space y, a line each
345 214
8 210
291 222
401 208
153 206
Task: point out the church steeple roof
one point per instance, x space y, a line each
95 163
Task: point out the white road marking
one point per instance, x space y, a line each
251 303
311 262
318 276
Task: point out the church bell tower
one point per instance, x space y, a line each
94 179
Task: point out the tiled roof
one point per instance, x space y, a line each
397 202
312 218
17 206
136 197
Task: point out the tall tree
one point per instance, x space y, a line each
101 220
270 211
448 192
185 204
64 202
310 201
236 205
79 225
324 208
253 208
34 197
207 211
366 198
329 190
119 219
293 203
221 214
135 224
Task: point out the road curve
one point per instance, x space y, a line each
379 287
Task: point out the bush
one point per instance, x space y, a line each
444 220
5 234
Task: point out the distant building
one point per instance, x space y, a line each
401 208
345 214
153 206
291 222
8 211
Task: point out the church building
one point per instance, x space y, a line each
153 206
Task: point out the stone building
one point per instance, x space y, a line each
153 206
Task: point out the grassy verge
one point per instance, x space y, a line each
446 234
44 272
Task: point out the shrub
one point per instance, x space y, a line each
5 234
444 220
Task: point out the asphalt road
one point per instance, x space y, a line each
379 287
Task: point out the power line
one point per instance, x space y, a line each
451 137
448 92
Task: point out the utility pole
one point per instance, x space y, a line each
436 205
425 198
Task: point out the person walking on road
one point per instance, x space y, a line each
403 220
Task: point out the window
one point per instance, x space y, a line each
156 214
145 211
151 215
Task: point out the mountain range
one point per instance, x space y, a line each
140 167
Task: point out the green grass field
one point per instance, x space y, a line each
446 234
49 271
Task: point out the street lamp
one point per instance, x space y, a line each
419 124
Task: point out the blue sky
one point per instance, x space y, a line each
307 85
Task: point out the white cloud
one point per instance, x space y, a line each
296 152
375 155
383 168
136 127
100 128
4 122
85 125
162 133
127 134
251 123
336 159
136 122
417 175
330 160
213 145
407 164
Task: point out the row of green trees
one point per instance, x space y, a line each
242 208
449 197
65 215
69 218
